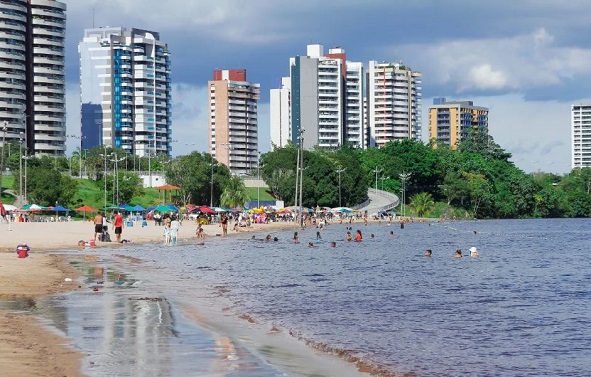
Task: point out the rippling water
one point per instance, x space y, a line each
522 308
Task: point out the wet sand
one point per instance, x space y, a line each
26 347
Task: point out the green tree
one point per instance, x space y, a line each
422 203
46 187
234 193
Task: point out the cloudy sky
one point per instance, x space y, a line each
526 60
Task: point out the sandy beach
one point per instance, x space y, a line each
26 347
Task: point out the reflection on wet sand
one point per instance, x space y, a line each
128 330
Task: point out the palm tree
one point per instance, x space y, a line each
422 203
234 193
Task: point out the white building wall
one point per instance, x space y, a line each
280 114
355 122
581 135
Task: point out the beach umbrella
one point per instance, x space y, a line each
206 209
59 209
165 208
10 207
138 207
126 207
86 208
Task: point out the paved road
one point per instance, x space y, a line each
379 200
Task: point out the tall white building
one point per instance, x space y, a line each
233 120
32 94
581 135
393 103
355 118
323 96
280 113
125 91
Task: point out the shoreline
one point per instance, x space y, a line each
20 335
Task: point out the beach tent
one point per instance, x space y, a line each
126 207
10 207
206 209
59 209
138 207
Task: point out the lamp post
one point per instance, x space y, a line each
116 173
4 129
81 137
104 155
404 176
376 170
212 163
382 179
340 170
25 157
21 140
259 181
300 140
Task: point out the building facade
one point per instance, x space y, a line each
581 135
125 91
280 113
32 92
394 96
450 122
233 121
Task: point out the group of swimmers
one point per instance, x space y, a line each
457 254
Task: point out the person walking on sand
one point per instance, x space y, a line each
98 224
118 226
224 221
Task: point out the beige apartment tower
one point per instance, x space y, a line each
452 121
233 122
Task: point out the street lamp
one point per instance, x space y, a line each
4 129
81 137
25 157
383 178
116 173
259 181
299 152
104 155
212 163
376 170
21 140
404 176
340 170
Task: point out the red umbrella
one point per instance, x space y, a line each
86 208
206 209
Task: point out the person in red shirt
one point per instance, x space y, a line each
118 226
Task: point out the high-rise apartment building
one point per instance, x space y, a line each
452 121
394 95
581 135
322 96
32 94
233 122
354 106
125 91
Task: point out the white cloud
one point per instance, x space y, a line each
506 63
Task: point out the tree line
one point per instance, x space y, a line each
477 180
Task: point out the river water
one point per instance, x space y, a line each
241 307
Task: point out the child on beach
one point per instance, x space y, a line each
296 238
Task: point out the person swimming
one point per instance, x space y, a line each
333 244
428 253
296 237
391 233
310 244
318 236
358 236
458 253
473 252
349 237
372 235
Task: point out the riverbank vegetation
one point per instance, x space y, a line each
478 180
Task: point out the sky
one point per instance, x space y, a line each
528 61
